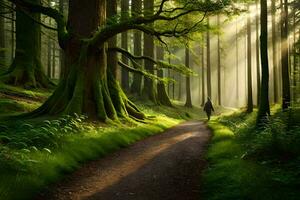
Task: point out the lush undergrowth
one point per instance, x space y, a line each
35 153
248 163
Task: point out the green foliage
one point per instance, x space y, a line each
248 163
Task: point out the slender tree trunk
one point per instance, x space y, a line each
249 66
13 16
286 95
149 90
124 35
264 107
61 52
237 65
188 102
162 96
49 57
219 64
136 86
26 69
258 74
208 62
203 76
2 40
274 49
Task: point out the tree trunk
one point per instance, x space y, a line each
237 64
149 90
219 63
124 44
258 75
53 60
203 75
61 52
26 69
188 102
264 107
136 86
274 49
162 96
2 40
249 67
89 87
208 62
286 95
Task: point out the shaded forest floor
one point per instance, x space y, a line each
35 153
248 163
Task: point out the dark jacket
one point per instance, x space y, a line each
208 107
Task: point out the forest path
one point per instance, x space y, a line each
162 167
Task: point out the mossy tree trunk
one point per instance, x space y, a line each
188 102
89 86
162 96
26 68
149 90
136 86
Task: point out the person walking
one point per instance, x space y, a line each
208 108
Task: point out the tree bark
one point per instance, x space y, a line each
258 74
124 44
162 96
26 68
274 49
286 95
208 61
136 86
188 102
249 66
149 90
219 63
264 107
2 40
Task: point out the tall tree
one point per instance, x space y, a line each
136 86
208 60
124 72
219 62
274 51
249 66
188 102
162 96
264 106
2 38
286 95
237 64
202 74
149 90
258 75
26 69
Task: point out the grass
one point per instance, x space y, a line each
246 163
36 153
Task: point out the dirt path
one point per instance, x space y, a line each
162 167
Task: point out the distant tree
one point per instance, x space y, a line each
219 63
26 69
264 106
208 61
274 50
162 95
286 95
188 102
202 74
136 86
249 66
237 64
258 74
